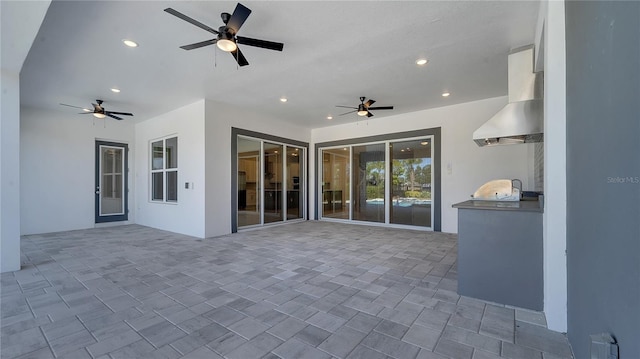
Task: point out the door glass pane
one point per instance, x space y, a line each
172 152
295 179
249 182
411 174
335 183
157 186
156 156
368 179
172 186
273 176
111 196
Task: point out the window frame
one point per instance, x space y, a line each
163 170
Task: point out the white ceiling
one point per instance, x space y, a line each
334 52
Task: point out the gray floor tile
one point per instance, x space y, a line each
362 352
248 328
391 329
22 343
162 333
390 346
422 337
72 342
342 342
326 321
287 328
312 335
296 349
113 342
226 343
184 297
452 349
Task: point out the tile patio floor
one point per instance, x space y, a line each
304 290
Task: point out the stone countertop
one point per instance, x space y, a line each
522 206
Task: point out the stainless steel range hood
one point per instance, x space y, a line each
521 120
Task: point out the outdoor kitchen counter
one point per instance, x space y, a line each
524 206
500 252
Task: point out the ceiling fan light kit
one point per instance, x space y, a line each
99 111
364 107
226 39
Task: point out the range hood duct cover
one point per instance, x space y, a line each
522 119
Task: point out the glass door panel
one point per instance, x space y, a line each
111 186
335 183
295 179
368 183
273 177
411 172
249 182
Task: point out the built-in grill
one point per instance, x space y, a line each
499 190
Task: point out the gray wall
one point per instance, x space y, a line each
603 173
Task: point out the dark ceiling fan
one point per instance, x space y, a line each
364 107
99 111
227 38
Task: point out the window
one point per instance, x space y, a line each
164 170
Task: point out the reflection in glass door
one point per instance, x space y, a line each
294 183
335 183
273 175
249 182
369 179
411 193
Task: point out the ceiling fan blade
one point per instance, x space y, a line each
239 16
112 116
369 103
381 108
278 46
190 20
346 113
347 107
64 104
198 45
240 59
118 113
369 114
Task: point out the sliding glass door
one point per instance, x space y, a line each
249 182
335 183
368 198
388 182
270 182
411 172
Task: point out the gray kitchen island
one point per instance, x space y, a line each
500 252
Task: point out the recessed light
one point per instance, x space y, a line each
446 94
115 90
283 99
329 117
86 110
130 43
421 62
402 150
344 149
424 143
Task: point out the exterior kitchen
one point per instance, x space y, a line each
500 233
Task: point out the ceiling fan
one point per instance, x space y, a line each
226 38
99 111
364 107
